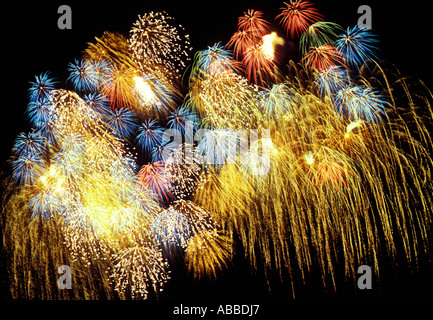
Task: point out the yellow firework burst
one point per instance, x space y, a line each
207 252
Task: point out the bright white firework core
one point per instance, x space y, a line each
269 43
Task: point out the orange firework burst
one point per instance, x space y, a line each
253 23
241 41
155 177
323 57
257 64
297 16
119 87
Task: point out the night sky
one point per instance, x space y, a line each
32 44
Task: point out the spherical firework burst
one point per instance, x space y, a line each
32 144
318 34
252 22
156 40
83 75
155 177
357 45
26 169
323 57
149 135
258 66
213 61
360 102
241 41
297 16
41 88
39 112
331 80
183 119
122 122
277 101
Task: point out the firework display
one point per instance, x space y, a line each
160 158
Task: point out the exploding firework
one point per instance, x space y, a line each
297 16
156 40
341 175
318 34
83 75
150 135
156 178
137 268
241 41
41 88
122 122
253 23
320 155
323 57
208 252
357 45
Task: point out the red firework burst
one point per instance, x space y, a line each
323 57
155 177
258 66
241 41
252 22
297 16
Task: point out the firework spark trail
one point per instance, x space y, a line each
222 97
321 177
78 186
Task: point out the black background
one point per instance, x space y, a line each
32 43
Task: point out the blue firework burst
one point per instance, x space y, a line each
331 80
39 112
98 103
40 89
214 60
123 122
27 168
149 135
31 144
183 120
161 153
45 204
83 75
102 69
357 45
361 102
277 101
